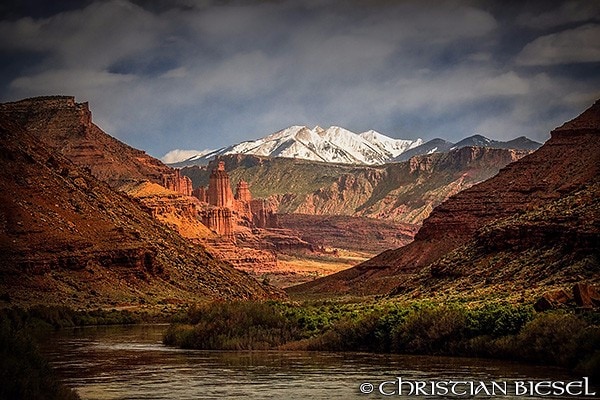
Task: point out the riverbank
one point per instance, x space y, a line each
489 330
24 372
130 362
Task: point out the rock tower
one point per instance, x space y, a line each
242 192
219 188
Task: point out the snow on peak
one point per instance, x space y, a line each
334 144
392 147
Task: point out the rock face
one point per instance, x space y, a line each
540 212
242 192
353 233
219 188
219 219
67 126
178 183
178 212
67 238
201 194
403 192
263 214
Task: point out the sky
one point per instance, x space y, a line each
193 75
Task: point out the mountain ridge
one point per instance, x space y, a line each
402 192
339 145
439 145
334 144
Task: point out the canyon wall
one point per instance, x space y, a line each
402 192
67 126
67 238
541 203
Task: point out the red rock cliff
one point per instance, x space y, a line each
565 164
242 192
64 125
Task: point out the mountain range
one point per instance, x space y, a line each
439 145
339 145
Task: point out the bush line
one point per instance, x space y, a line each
491 330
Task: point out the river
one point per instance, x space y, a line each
130 362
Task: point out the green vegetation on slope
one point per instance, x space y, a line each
404 192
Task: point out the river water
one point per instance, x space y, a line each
130 362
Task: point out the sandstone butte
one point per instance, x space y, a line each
533 226
66 237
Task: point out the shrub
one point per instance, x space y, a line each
233 326
430 331
550 338
498 319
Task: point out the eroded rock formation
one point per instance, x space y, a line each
178 183
67 238
242 192
223 211
219 188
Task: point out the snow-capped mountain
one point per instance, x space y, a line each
334 144
436 145
339 145
441 146
393 147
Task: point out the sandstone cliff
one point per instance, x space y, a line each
543 203
169 207
65 125
67 238
402 192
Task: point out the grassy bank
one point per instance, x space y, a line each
491 330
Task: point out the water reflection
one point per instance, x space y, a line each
131 363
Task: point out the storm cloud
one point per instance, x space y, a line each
162 75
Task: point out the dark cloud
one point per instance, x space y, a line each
187 74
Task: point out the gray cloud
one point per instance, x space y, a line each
579 45
566 12
163 75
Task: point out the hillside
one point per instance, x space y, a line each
68 238
401 192
67 126
535 223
